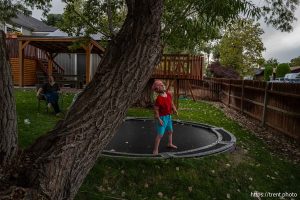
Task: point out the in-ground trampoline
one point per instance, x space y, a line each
135 139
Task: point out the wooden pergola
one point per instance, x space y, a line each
54 45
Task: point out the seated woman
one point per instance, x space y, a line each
50 91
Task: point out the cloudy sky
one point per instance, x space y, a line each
283 46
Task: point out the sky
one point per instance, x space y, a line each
282 45
279 45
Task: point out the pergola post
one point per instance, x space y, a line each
21 61
50 63
50 66
88 50
51 57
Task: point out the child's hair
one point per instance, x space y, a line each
156 83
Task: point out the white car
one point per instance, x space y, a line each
292 77
288 78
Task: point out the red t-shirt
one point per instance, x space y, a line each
164 104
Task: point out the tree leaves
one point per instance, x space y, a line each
187 25
295 61
280 13
9 8
53 19
91 17
241 47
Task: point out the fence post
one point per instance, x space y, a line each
263 120
242 97
191 89
219 87
229 92
211 89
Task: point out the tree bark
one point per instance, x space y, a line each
109 18
145 100
56 164
8 116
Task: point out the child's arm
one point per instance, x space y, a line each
156 113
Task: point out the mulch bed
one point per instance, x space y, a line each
277 143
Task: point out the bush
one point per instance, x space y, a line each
220 71
268 72
282 69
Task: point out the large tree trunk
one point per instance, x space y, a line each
145 100
56 164
8 123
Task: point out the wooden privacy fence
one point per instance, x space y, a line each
207 89
274 105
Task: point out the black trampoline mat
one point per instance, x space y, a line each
137 137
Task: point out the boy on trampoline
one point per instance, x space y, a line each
163 108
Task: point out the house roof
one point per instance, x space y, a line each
295 69
61 33
32 24
259 72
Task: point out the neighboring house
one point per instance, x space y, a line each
2 27
295 69
259 74
27 25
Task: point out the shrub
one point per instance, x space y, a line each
219 71
282 69
268 72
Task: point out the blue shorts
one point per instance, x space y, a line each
167 125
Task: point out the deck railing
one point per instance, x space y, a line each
181 66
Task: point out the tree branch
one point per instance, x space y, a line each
89 24
109 17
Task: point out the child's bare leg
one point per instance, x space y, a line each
170 141
156 144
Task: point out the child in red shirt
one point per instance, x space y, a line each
163 108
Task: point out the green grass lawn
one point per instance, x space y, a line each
40 122
234 175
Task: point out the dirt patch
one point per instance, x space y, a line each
277 143
239 156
